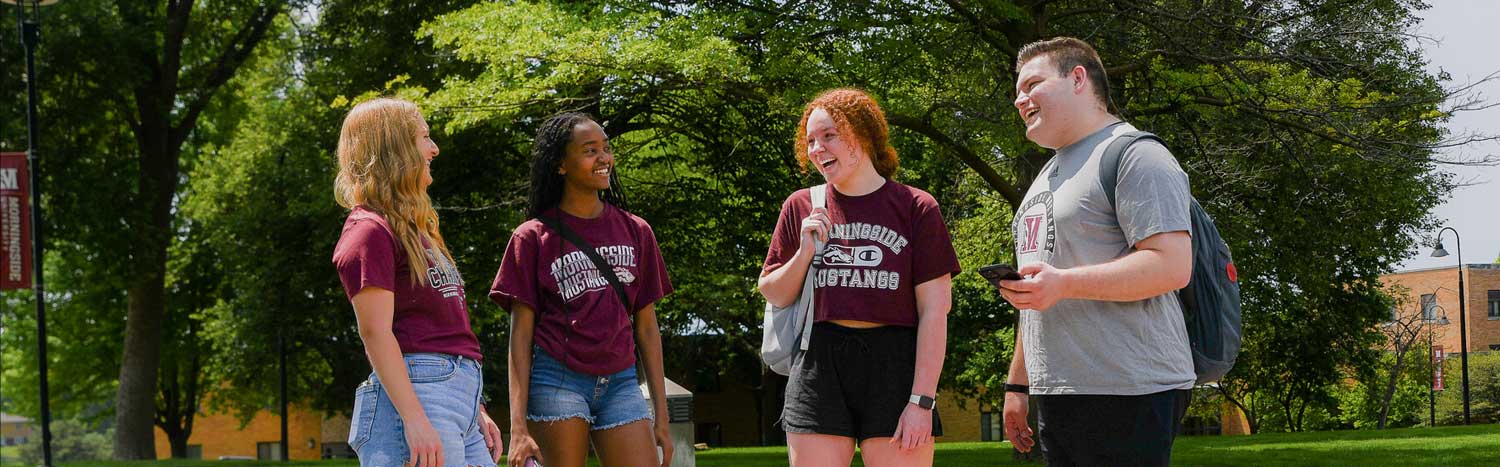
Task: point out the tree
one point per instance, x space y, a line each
1401 332
72 441
175 81
144 75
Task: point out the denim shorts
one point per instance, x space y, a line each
559 393
447 386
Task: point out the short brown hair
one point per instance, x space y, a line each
858 116
1066 53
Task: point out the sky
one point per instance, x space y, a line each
1466 35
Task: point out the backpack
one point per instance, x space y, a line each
787 330
1211 300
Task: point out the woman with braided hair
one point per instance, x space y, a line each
573 348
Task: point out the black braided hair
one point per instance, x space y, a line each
547 154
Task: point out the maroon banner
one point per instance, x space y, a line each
1437 368
15 222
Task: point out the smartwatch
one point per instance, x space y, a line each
923 401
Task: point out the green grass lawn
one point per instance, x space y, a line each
1445 446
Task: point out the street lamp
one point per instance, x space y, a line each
1432 366
31 34
1463 327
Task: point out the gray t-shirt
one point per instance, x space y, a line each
1097 347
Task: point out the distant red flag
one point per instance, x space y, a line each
15 222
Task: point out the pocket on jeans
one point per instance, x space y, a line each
430 369
366 399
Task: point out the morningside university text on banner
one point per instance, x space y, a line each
15 228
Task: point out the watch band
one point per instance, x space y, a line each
923 401
1021 388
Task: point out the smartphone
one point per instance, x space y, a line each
531 462
999 272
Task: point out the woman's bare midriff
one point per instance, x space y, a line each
850 323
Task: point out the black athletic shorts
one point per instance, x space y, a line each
853 382
1083 429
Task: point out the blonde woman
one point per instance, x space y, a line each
421 404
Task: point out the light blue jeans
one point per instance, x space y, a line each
448 387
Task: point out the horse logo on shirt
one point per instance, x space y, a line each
624 275
858 256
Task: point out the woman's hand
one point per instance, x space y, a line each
664 440
426 447
522 446
815 227
491 433
914 429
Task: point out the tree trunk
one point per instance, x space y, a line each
179 442
1390 391
135 400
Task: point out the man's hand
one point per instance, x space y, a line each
1042 287
1016 429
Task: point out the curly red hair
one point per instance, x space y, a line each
857 115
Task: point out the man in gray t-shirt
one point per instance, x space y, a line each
1101 343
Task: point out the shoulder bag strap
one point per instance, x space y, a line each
819 200
599 263
1109 162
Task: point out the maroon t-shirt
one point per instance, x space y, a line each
882 245
581 320
430 317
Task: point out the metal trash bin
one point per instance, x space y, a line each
680 422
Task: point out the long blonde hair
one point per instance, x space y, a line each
380 168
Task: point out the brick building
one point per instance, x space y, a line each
14 429
1434 293
311 435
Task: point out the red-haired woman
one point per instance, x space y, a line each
883 289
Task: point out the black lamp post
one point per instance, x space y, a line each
1463 327
31 34
1432 367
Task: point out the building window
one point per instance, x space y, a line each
195 451
991 426
1429 307
268 451
1495 304
1494 346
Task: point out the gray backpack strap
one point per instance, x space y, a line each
819 200
1109 162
